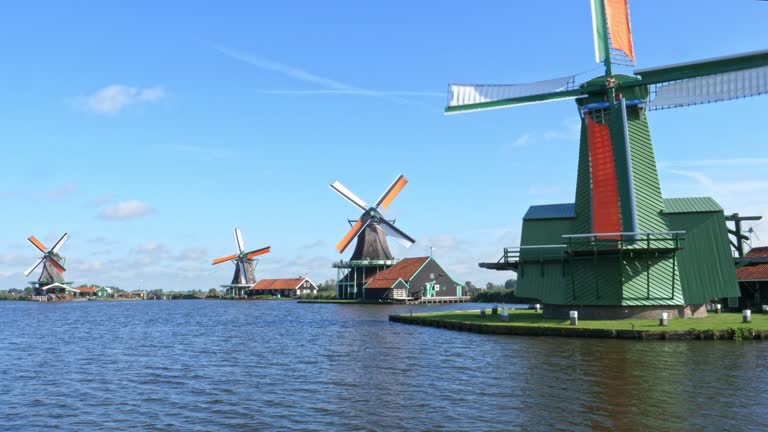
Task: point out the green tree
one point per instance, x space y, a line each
510 284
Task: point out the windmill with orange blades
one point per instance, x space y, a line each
53 265
245 263
371 230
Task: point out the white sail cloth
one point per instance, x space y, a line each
470 94
711 88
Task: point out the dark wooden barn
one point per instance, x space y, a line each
412 278
753 281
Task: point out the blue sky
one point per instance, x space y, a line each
148 131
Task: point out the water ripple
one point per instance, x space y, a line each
223 365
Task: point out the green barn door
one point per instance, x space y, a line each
458 290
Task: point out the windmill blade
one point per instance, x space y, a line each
239 240
254 253
60 243
57 265
706 81
477 97
223 259
31 269
349 196
394 232
612 31
36 243
386 198
351 234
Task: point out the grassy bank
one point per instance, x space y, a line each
525 322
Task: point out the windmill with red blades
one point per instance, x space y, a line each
51 280
620 249
371 229
245 263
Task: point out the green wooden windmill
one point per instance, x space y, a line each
620 249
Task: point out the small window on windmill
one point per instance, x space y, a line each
437 287
431 275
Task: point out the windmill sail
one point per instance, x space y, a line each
476 97
707 81
612 31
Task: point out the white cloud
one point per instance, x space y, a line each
149 247
123 210
329 86
569 131
112 99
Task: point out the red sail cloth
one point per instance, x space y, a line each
605 190
617 14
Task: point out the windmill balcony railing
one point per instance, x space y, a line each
656 241
602 243
364 263
536 252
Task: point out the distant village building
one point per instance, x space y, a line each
283 287
141 295
412 278
86 291
93 291
753 281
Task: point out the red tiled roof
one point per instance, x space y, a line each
277 284
758 272
86 289
404 269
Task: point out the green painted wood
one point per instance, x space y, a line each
583 204
645 177
691 205
707 270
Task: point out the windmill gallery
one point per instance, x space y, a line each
619 250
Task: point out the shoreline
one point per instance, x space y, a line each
725 326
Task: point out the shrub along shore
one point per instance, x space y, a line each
724 326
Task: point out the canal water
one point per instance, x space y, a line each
280 365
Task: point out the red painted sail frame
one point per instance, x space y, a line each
606 216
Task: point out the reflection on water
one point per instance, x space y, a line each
223 365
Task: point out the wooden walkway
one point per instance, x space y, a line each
432 300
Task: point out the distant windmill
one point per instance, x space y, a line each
53 264
244 266
371 229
